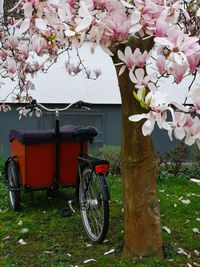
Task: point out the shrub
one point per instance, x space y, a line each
112 154
173 160
2 161
195 154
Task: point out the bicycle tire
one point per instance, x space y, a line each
13 185
94 204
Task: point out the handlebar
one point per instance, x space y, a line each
78 104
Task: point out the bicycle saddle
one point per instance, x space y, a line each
85 131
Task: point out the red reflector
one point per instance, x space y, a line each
101 168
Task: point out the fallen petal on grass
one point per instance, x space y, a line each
189 265
196 230
170 260
22 242
88 245
89 260
195 195
49 252
166 229
24 231
195 180
182 251
109 251
196 252
185 201
20 222
8 237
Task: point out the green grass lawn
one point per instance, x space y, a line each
53 240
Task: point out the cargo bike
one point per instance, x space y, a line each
56 158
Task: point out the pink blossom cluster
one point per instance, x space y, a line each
46 28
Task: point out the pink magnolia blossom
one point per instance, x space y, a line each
85 17
180 120
178 46
140 58
171 13
152 117
132 59
11 66
161 64
161 27
158 113
193 61
127 58
39 45
72 69
141 80
24 50
118 29
97 73
193 132
31 1
195 95
3 55
13 41
178 72
4 107
51 27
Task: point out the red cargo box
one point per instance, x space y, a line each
35 153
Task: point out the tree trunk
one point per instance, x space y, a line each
141 208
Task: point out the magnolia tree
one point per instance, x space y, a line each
133 33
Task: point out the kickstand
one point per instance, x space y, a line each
67 212
31 197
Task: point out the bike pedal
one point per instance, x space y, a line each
66 213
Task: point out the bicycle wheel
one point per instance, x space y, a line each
94 204
13 185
